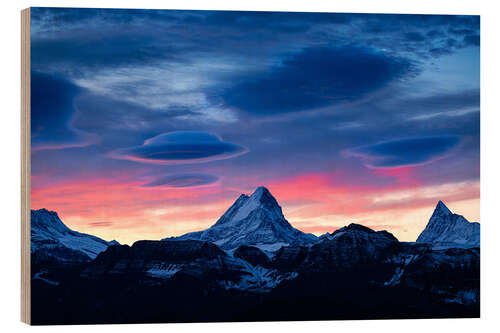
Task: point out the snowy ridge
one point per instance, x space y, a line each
256 278
255 220
163 271
445 230
402 261
51 235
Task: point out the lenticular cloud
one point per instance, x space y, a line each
183 180
183 147
406 151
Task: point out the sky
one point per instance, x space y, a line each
148 124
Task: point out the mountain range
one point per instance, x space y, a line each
253 220
253 265
257 220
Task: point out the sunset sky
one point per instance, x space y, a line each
149 124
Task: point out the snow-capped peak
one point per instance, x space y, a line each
50 234
441 209
262 193
48 221
446 229
247 204
252 220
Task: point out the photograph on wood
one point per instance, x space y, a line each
222 166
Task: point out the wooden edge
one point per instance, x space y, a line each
25 167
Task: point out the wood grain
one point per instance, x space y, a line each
25 167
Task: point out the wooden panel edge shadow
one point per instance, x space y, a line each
25 167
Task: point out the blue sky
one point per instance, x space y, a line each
198 106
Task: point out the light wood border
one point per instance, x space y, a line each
25 167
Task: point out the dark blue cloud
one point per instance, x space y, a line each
181 147
52 111
440 51
76 53
317 77
420 36
183 180
283 22
52 18
60 18
107 115
151 72
435 104
414 36
472 40
405 152
118 37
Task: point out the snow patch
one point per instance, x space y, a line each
38 276
163 272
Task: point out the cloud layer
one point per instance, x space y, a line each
183 180
52 112
402 89
405 152
317 77
182 147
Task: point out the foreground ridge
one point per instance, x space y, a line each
182 280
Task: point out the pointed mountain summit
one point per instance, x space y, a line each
446 229
255 220
442 209
51 238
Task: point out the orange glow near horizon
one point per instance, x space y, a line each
127 212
